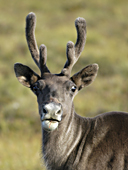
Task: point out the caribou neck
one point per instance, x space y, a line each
66 140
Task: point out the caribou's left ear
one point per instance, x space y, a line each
25 75
86 76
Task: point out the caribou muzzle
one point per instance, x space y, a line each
51 115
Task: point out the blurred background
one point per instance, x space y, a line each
106 44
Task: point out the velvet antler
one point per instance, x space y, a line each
73 52
39 57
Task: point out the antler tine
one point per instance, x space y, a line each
73 52
30 36
39 57
70 59
43 59
80 24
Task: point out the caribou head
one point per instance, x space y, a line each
55 92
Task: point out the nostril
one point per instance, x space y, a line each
58 112
44 110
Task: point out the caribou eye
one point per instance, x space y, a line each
73 88
35 87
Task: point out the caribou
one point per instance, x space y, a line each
69 141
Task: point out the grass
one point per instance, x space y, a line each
107 45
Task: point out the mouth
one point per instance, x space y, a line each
50 124
51 120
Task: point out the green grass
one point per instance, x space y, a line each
107 45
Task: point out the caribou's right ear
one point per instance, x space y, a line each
25 75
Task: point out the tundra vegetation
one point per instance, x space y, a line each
107 42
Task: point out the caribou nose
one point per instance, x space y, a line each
51 115
52 109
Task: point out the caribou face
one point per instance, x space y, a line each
54 95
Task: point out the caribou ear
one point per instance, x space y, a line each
25 75
86 76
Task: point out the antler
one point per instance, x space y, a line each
40 57
73 52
